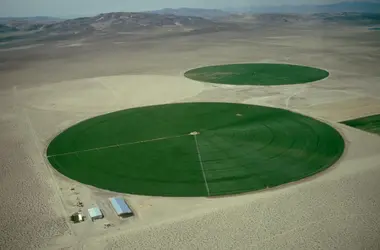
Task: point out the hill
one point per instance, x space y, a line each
367 7
5 28
196 12
36 19
106 25
116 21
350 18
11 24
265 19
124 23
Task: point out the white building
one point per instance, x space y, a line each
95 213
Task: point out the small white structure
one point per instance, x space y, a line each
95 213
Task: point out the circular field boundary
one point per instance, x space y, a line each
288 182
308 67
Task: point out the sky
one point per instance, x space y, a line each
64 8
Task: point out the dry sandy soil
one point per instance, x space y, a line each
46 88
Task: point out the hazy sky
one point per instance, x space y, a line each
91 7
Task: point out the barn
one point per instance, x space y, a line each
95 213
121 207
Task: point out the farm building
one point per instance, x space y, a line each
95 213
121 207
77 217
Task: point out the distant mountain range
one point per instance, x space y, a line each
116 23
36 19
358 7
190 20
12 24
126 21
368 7
5 28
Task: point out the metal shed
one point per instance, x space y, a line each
95 213
120 206
77 217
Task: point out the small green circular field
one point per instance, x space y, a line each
194 149
257 74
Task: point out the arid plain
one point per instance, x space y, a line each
48 87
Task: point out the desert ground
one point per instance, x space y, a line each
47 87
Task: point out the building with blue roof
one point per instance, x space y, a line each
121 207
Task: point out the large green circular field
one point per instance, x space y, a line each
194 149
257 74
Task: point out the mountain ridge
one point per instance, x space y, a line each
117 20
344 6
197 12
